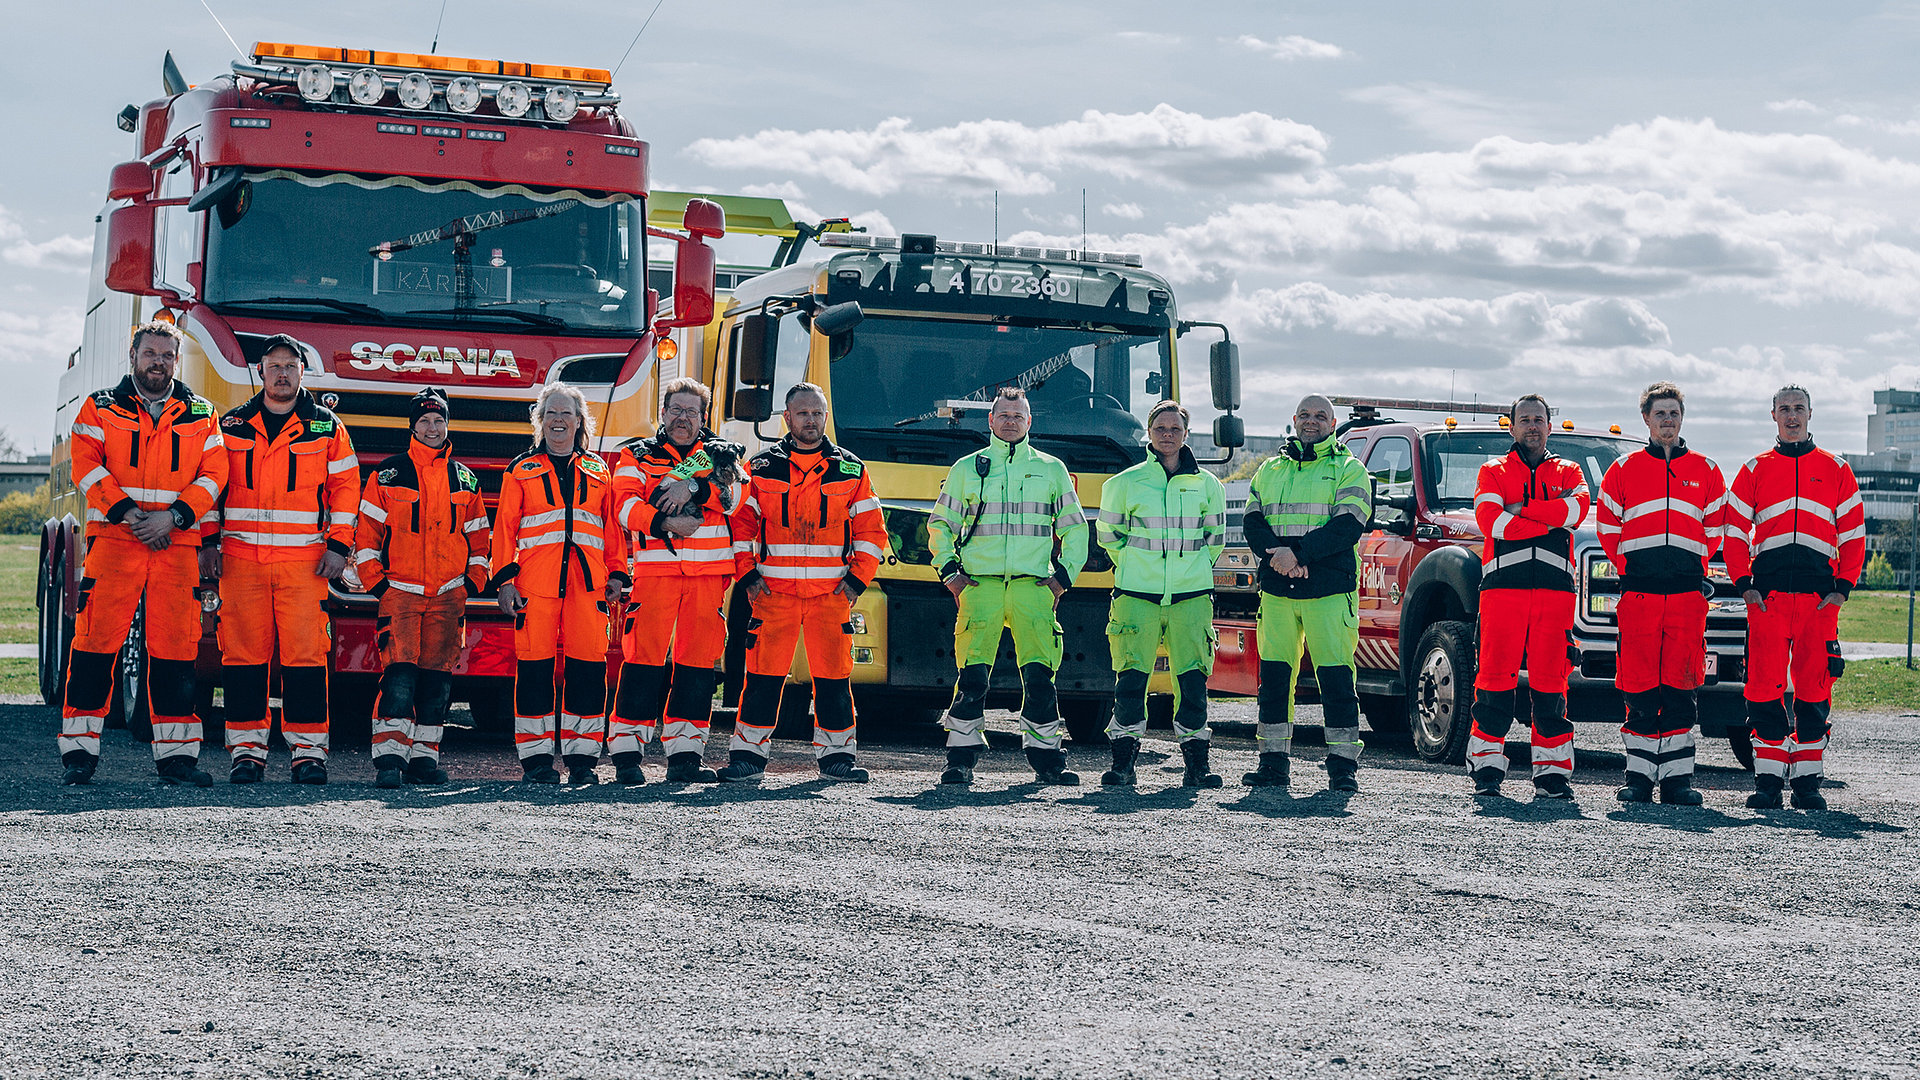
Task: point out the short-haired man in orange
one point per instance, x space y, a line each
147 456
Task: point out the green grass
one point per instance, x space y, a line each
1866 616
19 616
20 676
1878 684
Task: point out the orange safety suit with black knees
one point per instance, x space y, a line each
679 585
1796 533
1527 514
126 459
556 540
292 490
423 548
811 529
1660 516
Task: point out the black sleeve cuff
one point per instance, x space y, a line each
182 514
658 529
1843 587
1743 584
380 588
855 584
747 579
951 568
338 548
625 579
1060 575
507 573
120 510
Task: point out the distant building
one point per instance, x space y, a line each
24 475
1889 473
1257 446
1894 423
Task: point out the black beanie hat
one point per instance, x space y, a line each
427 401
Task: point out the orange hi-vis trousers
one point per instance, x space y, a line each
780 621
116 575
575 626
269 607
675 613
420 639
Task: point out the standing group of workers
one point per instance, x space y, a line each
267 501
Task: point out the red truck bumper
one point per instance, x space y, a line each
1236 660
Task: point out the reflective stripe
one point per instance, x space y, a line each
214 442
92 478
1606 500
1801 539
804 551
1515 558
274 517
589 540
944 500
207 484
1655 506
550 517
1855 533
1501 523
349 462
365 555
1851 502
588 517
1489 497
267 539
1010 508
477 560
863 506
1360 512
1352 493
1684 543
1304 509
699 555
802 573
1166 543
1739 505
627 508
743 547
995 528
629 472
158 495
373 511
90 431
865 547
1787 506
1069 519
1111 517
475 525
212 515
340 518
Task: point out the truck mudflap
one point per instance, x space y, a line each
920 620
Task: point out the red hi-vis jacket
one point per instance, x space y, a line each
124 459
547 524
810 520
291 497
423 526
1660 517
715 468
1528 514
1795 522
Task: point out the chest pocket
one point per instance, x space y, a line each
836 502
123 436
403 509
307 464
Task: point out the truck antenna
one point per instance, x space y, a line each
1083 219
223 30
435 47
636 37
996 219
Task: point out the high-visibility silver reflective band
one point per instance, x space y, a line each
797 573
1501 523
1073 516
804 551
1851 502
214 441
1664 540
582 539
1352 511
269 539
410 587
662 555
475 525
1485 753
164 496
863 506
90 431
212 515
995 528
339 518
743 547
365 555
1165 522
1657 506
1799 539
589 517
476 560
945 500
342 465
206 484
1856 533
549 517
1356 493
629 472
1015 507
1166 543
1531 554
1811 506
866 547
94 477
373 511
257 515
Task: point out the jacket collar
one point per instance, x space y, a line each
1794 449
129 395
1515 454
1656 450
1299 451
1002 448
304 407
826 449
422 454
1188 463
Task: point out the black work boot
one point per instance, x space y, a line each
184 770
627 770
1638 788
1552 786
960 762
1486 782
309 771
580 770
1678 791
1198 774
1766 793
247 770
425 771
539 769
389 770
80 766
1275 770
1050 767
687 768
1342 774
1125 750
1806 793
841 767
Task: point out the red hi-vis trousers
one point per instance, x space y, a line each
1523 628
117 573
675 613
1663 647
575 626
1790 638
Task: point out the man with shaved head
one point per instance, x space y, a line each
1306 511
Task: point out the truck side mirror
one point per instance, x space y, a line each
753 404
759 340
130 180
705 218
1223 364
130 250
692 286
839 318
1229 431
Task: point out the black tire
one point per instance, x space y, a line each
1442 694
1086 719
881 710
128 707
56 628
1385 714
1740 741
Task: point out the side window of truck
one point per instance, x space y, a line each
1391 464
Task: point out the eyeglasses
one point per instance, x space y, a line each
690 414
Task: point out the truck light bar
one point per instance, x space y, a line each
988 251
408 81
1373 404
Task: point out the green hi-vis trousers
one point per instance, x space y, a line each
1329 628
1135 629
1024 605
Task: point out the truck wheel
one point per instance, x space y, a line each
1086 719
1437 709
892 711
128 707
56 629
1740 741
1386 715
489 703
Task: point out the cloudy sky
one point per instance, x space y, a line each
1403 199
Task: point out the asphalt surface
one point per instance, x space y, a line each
799 929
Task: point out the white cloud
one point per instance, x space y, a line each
59 253
1449 113
1165 147
785 189
1129 211
1514 320
1292 47
1793 105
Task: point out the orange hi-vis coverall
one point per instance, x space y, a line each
556 540
1796 532
125 458
809 524
1527 514
422 548
291 497
679 584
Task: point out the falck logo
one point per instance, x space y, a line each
440 360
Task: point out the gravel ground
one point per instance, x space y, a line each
901 929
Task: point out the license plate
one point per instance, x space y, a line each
1713 664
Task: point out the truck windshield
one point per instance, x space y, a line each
1090 388
561 261
1454 460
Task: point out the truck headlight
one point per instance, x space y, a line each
416 90
561 103
513 99
463 94
1602 570
859 623
315 82
1602 604
366 87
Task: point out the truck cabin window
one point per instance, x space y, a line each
1454 460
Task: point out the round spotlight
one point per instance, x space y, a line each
366 87
463 95
416 91
513 99
561 103
315 82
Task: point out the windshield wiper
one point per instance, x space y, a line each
504 313
364 311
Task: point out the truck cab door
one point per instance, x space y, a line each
1386 555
